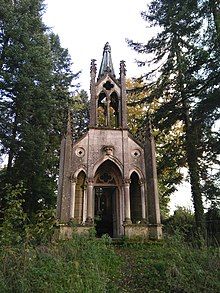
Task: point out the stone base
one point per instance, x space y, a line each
66 232
155 232
138 231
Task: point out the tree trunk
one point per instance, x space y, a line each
12 147
216 18
191 152
192 160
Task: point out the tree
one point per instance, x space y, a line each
182 76
80 113
35 89
169 153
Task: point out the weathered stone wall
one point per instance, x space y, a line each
89 153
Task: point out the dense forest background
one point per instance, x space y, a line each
179 94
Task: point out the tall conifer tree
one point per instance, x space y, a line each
183 76
35 86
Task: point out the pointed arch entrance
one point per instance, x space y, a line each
108 207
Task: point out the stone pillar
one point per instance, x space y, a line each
93 106
123 111
63 210
89 219
72 197
108 111
143 201
155 228
127 201
84 204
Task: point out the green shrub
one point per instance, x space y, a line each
181 222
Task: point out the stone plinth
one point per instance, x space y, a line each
155 232
67 232
139 231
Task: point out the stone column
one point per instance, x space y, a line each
89 219
143 201
72 197
108 110
127 201
155 231
84 204
93 106
123 110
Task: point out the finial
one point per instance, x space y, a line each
107 48
122 67
93 66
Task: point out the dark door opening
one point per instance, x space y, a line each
104 210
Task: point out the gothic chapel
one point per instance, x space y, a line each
107 179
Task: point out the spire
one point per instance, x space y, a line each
106 64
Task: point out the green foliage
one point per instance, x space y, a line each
88 264
36 83
169 153
14 218
16 228
78 265
80 113
42 227
184 81
168 266
183 222
213 226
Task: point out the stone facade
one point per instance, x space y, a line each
107 179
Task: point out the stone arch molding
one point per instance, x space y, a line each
106 158
75 173
139 173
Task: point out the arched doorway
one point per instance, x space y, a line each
107 211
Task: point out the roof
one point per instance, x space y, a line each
106 64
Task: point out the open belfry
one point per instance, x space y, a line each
107 179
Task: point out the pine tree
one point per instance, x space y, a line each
183 75
36 85
169 154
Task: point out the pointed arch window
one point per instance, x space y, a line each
114 110
135 198
102 109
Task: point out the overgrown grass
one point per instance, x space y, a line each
87 264
169 266
83 264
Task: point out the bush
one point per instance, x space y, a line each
182 222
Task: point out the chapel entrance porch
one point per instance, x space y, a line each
105 211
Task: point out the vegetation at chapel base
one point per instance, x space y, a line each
88 264
83 264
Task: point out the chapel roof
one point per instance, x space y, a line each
106 64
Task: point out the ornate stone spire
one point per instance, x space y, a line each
106 64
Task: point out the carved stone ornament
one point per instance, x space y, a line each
136 153
90 181
141 181
126 181
80 152
108 150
